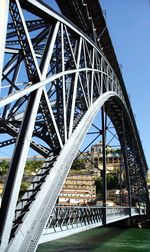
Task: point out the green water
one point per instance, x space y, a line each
103 239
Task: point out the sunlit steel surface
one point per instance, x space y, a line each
54 81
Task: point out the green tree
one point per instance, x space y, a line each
117 152
32 166
78 164
4 167
112 181
98 183
23 188
108 150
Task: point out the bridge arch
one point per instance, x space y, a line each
68 79
48 194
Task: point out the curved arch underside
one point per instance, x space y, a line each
131 150
47 197
55 80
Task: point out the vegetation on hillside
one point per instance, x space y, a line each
32 166
4 165
112 183
78 164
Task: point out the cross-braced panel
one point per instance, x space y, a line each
54 81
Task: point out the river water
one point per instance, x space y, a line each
103 239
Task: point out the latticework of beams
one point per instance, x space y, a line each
54 81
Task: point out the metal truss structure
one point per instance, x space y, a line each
54 80
65 220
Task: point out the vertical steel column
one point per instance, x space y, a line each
75 88
4 10
126 164
138 186
136 175
104 185
120 193
63 84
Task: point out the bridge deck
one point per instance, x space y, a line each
72 226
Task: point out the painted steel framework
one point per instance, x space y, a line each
54 80
65 220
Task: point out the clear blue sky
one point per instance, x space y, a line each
128 22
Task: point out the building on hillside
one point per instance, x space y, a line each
94 160
78 189
118 197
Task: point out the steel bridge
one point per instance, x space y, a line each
57 71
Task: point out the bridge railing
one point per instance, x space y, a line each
74 216
68 220
115 211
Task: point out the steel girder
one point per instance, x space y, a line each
70 220
54 81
